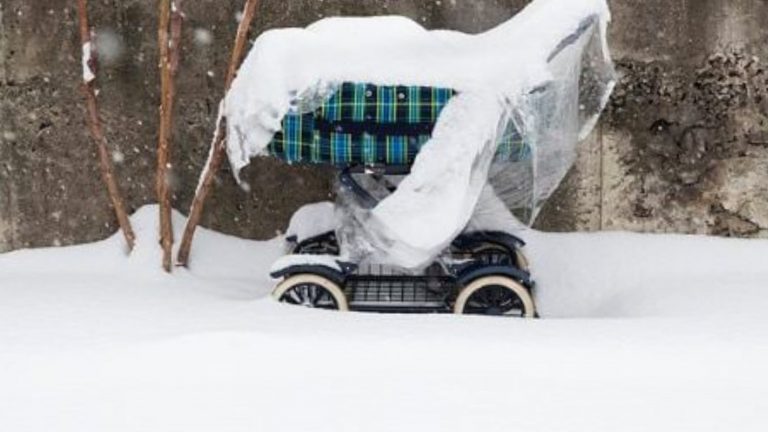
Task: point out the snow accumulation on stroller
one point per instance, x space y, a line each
443 141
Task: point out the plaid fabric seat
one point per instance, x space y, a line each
369 125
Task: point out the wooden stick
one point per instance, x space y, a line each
218 145
94 123
161 175
170 15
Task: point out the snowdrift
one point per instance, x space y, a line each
672 325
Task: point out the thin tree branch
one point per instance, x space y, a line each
218 146
170 16
94 123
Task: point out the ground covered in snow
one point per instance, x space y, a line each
639 333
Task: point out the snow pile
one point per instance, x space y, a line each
527 72
286 64
312 220
633 324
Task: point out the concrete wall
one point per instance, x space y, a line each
683 146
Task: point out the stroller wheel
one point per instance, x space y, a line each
497 296
311 291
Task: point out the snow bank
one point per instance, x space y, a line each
525 72
633 324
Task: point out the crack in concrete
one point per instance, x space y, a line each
6 224
3 48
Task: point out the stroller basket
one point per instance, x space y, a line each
403 293
373 287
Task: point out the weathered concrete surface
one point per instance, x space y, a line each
682 147
682 144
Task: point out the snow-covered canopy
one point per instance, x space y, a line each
546 72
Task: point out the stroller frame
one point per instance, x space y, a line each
482 272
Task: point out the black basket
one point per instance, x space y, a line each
378 287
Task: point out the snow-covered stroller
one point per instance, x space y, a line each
375 132
413 138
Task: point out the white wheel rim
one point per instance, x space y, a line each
522 260
512 285
333 289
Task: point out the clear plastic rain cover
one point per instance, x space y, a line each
544 76
552 119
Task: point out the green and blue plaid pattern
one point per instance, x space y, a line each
365 124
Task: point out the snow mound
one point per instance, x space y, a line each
581 275
287 63
312 220
214 254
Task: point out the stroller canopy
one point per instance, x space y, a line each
497 114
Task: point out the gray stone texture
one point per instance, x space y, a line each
683 146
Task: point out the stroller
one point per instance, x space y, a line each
482 272
377 131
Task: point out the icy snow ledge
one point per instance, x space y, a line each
495 73
305 260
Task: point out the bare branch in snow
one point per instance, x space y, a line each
170 48
94 123
218 147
